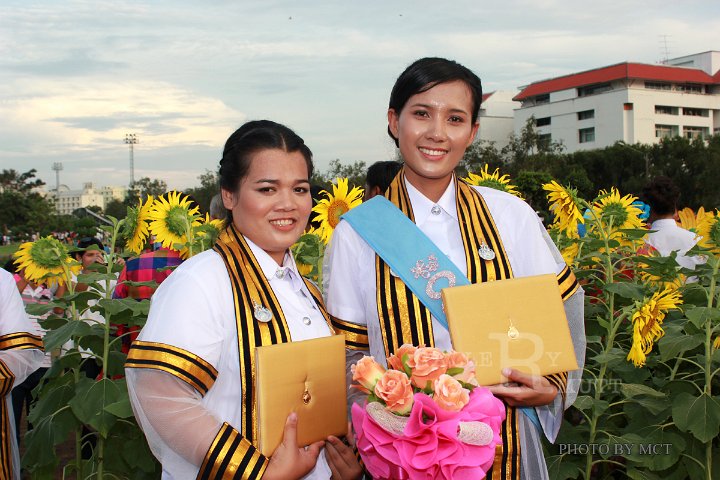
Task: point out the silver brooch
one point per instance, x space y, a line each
261 313
421 269
485 252
429 288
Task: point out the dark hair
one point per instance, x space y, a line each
662 195
250 138
381 174
424 74
86 243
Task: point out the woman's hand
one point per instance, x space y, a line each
341 458
531 390
289 462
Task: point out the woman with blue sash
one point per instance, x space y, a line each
428 216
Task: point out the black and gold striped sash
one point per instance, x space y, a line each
405 320
250 286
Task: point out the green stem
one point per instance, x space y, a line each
708 361
612 330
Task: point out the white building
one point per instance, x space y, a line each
630 102
496 117
67 201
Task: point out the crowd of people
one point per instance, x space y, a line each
211 311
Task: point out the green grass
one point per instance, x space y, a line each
6 251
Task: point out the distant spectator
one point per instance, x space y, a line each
217 209
662 195
379 177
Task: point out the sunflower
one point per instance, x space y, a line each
617 213
46 260
689 220
492 180
716 343
330 209
135 229
709 229
171 219
564 205
647 322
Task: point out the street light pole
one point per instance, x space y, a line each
131 140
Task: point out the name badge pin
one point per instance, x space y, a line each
485 252
261 313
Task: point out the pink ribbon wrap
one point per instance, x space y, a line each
429 447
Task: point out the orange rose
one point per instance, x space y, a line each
367 372
395 390
427 365
449 394
395 361
460 360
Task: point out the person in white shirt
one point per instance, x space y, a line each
662 195
488 234
190 373
21 353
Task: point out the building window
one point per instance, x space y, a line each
689 88
627 106
695 112
586 135
544 140
540 99
594 89
663 131
658 86
542 122
695 132
666 110
586 114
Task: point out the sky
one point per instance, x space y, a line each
76 76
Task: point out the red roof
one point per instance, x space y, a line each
485 97
661 73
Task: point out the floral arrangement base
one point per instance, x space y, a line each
431 443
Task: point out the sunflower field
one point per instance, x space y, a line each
648 405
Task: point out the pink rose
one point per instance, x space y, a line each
367 372
460 360
395 390
395 361
449 394
427 365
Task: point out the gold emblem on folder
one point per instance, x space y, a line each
513 332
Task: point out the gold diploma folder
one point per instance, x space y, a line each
518 323
306 377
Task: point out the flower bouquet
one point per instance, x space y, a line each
425 416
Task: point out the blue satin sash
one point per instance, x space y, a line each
408 252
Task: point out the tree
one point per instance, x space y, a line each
144 187
19 182
209 187
355 174
23 211
116 208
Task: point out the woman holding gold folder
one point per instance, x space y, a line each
191 372
488 235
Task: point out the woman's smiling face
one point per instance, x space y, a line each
434 128
272 204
